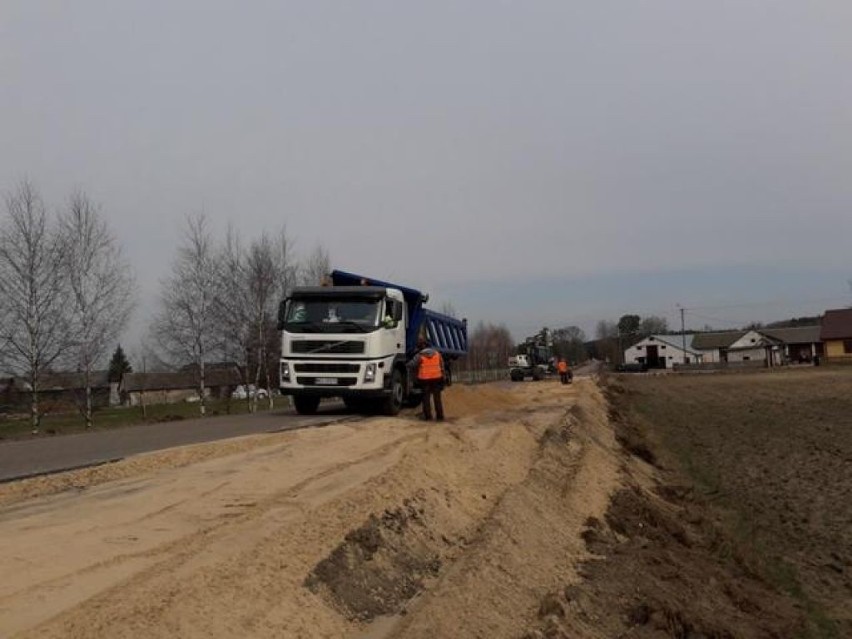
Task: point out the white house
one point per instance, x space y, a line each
756 347
713 347
662 351
772 346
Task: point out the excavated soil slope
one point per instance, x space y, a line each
386 527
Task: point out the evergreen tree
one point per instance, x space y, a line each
118 365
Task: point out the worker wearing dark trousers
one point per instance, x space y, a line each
430 373
562 368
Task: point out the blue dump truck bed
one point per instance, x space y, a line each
447 334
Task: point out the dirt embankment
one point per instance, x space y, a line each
538 511
385 527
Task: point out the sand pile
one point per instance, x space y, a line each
462 401
385 527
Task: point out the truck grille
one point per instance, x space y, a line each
326 368
326 346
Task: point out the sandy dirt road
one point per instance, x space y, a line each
378 528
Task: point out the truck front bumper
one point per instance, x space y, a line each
337 378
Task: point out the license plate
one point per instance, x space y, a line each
326 381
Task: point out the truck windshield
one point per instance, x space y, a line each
332 315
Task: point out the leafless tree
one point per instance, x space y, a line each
315 267
253 280
185 325
653 325
100 285
262 270
606 329
569 342
32 292
489 348
232 307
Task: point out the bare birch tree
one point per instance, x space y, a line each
185 325
232 307
100 285
261 270
32 293
315 267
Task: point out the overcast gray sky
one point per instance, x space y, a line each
531 162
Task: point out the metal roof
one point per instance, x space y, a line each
794 335
676 341
710 341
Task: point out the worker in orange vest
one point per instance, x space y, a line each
430 374
563 370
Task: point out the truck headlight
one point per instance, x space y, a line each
370 373
285 371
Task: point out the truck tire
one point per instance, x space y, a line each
537 374
516 375
305 404
393 402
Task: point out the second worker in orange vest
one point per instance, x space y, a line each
564 371
430 373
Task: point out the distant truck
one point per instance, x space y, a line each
353 338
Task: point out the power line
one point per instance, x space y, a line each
772 303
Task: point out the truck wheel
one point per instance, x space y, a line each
516 375
393 403
306 405
537 375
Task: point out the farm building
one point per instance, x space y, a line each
169 388
662 351
765 346
57 391
713 347
801 344
755 346
836 334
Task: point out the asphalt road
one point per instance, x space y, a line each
43 455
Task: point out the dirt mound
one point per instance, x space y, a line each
464 401
380 565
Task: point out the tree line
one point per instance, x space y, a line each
67 292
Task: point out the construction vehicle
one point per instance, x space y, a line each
353 338
537 360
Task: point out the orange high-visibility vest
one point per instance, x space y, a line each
430 366
562 367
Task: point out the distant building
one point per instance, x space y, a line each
802 344
765 346
57 392
169 388
713 347
662 351
836 334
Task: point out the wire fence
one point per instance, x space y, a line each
480 375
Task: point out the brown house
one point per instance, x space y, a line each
169 388
836 334
57 391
